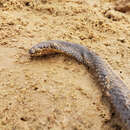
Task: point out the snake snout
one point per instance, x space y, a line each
31 51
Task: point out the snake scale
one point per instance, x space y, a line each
112 86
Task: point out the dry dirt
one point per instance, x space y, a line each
57 93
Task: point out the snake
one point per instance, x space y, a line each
112 86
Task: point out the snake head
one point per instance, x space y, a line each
31 51
43 48
37 51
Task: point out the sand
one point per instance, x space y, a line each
57 93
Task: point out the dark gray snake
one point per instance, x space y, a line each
113 87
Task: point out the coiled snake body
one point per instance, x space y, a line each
113 87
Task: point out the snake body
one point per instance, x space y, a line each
112 86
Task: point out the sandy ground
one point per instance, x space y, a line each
57 93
